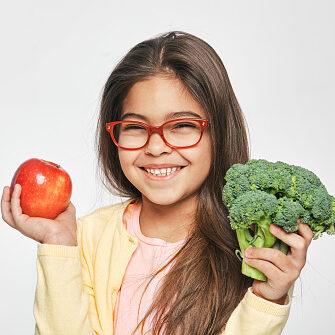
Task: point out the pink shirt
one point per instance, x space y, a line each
150 255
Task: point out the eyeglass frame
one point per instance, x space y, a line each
150 129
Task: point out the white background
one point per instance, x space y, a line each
57 55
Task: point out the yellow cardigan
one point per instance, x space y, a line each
77 286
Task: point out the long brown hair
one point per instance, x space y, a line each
204 284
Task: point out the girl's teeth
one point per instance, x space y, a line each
162 172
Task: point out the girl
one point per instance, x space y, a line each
163 261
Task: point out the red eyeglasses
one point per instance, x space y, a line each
178 134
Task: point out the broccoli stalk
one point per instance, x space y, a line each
262 238
260 193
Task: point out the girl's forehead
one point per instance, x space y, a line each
165 92
161 99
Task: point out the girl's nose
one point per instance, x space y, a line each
156 145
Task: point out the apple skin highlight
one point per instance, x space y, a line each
46 188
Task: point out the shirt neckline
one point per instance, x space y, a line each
135 223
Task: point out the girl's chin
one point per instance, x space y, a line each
160 198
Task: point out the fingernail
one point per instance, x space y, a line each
247 252
274 228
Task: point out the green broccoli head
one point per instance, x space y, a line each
259 193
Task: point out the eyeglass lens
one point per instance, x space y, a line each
177 133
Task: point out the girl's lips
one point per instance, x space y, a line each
161 178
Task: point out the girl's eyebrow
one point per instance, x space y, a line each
169 116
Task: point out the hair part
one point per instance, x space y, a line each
204 284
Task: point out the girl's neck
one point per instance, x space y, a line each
171 223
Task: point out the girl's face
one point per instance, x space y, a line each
155 98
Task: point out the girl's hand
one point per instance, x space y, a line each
280 269
61 230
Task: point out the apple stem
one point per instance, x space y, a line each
51 163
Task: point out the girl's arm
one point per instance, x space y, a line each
64 293
263 311
64 300
258 316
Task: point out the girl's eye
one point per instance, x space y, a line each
182 125
133 127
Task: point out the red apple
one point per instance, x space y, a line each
46 188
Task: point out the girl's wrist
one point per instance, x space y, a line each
280 301
65 242
62 238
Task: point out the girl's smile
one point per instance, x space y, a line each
162 174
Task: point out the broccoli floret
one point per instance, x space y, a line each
280 179
327 226
311 193
260 192
330 223
287 213
230 193
272 178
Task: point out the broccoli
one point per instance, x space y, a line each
260 193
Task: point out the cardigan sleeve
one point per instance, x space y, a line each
257 316
64 297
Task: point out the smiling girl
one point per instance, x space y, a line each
162 261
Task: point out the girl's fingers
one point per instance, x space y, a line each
275 265
268 257
6 207
36 228
15 206
305 231
270 270
297 243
